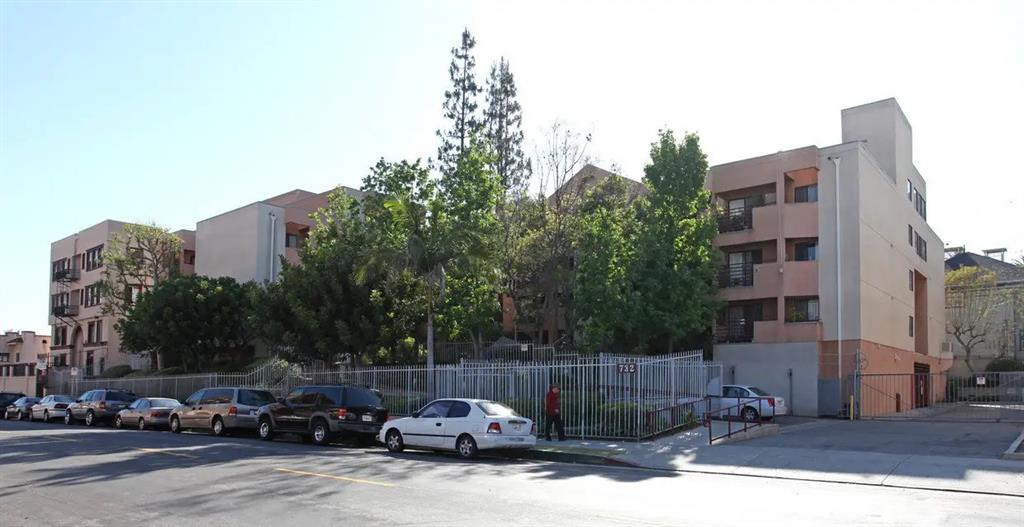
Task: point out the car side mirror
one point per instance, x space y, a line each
416 414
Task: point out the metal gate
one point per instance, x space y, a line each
940 396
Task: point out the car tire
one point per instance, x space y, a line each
218 427
68 418
265 429
142 424
90 418
118 423
749 414
393 441
175 425
22 416
320 433
46 416
465 446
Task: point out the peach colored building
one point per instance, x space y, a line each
83 336
21 354
788 256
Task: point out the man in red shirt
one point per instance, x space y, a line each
553 413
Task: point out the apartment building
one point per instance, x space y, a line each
83 336
247 243
21 354
809 264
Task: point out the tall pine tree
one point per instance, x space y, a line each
503 128
460 106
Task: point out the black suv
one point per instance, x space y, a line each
323 413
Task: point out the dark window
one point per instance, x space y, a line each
255 397
436 409
910 235
361 397
807 252
806 194
291 240
911 325
189 257
804 310
218 396
910 191
458 409
911 275
141 404
93 258
118 395
922 247
195 398
331 396
302 396
163 403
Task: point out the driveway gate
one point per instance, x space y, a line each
940 396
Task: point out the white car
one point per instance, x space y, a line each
51 407
466 426
751 403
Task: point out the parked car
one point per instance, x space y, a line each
751 403
324 413
96 406
466 426
20 408
6 398
220 410
51 407
146 411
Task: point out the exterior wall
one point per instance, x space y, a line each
768 367
19 354
238 243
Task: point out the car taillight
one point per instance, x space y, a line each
158 414
342 413
494 428
771 402
232 411
60 406
103 405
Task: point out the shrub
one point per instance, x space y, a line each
115 372
1005 364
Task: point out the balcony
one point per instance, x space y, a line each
65 311
68 275
748 225
736 220
732 331
750 282
779 331
736 275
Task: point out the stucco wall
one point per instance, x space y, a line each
239 243
768 365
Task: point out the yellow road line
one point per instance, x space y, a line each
169 453
328 476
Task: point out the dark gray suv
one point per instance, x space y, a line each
95 406
325 412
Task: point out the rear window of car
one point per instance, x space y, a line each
332 395
255 397
116 395
757 391
163 403
493 409
62 399
361 397
218 396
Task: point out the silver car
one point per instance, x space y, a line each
51 407
220 410
96 406
146 412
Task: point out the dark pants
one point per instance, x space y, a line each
557 421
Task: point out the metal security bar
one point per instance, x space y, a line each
977 397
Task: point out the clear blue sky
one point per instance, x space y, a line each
175 111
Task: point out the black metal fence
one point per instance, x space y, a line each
981 396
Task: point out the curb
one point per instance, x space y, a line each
1015 451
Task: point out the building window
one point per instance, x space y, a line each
910 235
91 295
919 205
806 194
93 258
807 251
911 275
922 247
803 310
95 332
910 191
911 325
291 240
190 257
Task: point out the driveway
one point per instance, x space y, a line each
925 438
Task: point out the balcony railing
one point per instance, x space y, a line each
741 330
736 275
65 311
736 220
66 274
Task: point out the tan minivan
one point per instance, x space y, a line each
219 410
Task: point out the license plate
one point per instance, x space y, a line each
517 439
367 418
252 412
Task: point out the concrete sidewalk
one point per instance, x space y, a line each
689 452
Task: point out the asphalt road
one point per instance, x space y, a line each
58 475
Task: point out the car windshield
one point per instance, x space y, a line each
255 397
62 399
757 391
163 403
493 409
115 395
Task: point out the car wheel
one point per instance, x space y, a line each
68 420
265 429
175 425
90 418
22 416
142 424
393 440
218 427
46 416
320 434
465 445
749 414
118 424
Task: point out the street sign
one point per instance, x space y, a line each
524 348
979 380
627 367
41 365
74 372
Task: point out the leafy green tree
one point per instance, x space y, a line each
674 272
191 321
460 106
135 261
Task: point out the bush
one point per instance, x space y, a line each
1003 365
115 372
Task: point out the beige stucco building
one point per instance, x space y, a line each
792 263
21 354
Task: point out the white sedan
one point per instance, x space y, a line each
466 426
755 402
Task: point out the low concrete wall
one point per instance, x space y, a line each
768 366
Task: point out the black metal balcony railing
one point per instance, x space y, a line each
736 220
66 274
65 311
736 275
741 330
